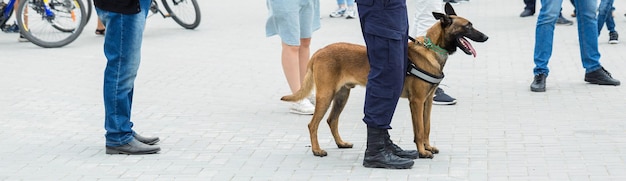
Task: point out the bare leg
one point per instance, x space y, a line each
294 61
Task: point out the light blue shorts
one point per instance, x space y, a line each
292 20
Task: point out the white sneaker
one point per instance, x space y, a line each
338 13
350 13
302 107
311 99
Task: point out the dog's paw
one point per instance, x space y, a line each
344 145
426 154
433 149
320 153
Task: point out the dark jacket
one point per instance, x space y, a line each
119 6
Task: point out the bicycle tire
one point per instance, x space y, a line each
89 9
182 11
51 31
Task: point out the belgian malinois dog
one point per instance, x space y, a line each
336 68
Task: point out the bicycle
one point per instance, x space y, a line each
50 24
184 12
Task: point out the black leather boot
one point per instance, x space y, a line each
396 150
377 155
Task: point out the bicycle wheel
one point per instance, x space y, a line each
88 10
185 12
52 24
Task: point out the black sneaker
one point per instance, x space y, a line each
441 98
563 21
539 83
613 37
601 77
22 38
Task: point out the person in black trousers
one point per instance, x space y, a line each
529 10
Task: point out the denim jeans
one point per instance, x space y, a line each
349 3
587 34
605 15
122 48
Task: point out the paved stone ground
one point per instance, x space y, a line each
212 95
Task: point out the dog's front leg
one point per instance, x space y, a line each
417 115
427 110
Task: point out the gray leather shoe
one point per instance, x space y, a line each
134 147
146 140
539 83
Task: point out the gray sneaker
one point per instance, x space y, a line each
134 147
563 21
441 98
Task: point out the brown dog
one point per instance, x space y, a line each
338 67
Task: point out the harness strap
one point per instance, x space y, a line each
425 76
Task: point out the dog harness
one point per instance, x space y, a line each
421 74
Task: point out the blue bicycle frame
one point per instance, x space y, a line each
7 10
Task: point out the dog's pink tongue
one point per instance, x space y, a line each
469 46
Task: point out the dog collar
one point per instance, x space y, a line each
425 76
429 44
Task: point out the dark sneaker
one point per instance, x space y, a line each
613 37
563 21
526 13
11 28
441 98
22 38
601 77
539 83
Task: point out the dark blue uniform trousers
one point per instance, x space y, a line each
384 24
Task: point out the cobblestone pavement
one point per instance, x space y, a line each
212 95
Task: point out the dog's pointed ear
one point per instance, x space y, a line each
444 19
449 9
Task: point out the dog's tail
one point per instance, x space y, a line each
305 89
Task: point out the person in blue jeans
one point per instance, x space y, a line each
605 15
385 26
587 37
125 21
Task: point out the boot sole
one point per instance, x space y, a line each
382 165
111 151
599 82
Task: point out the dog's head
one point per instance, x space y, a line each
454 30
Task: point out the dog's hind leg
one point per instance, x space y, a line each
323 99
339 102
